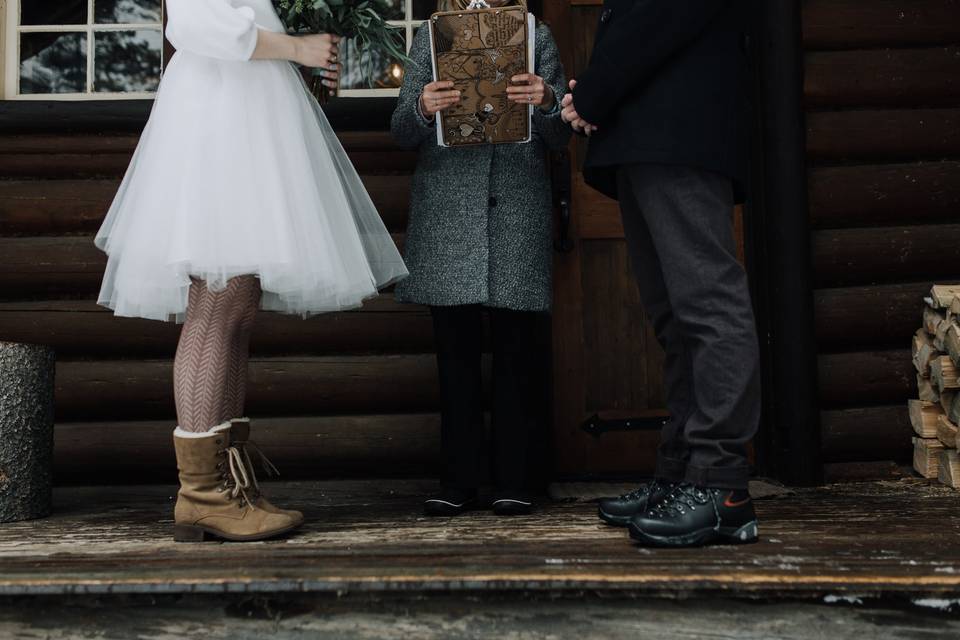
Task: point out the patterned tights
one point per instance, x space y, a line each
210 370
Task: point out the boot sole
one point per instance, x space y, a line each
616 521
196 533
746 534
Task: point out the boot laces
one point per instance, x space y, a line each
643 490
268 467
238 478
682 498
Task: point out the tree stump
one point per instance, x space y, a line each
26 431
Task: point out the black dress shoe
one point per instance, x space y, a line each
450 502
619 511
692 516
512 504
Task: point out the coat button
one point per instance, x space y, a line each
606 15
492 202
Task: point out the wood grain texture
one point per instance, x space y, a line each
875 195
370 537
866 378
883 134
927 77
851 318
851 24
143 389
304 447
82 329
849 257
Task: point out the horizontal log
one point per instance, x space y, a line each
143 389
928 77
38 268
852 318
869 433
919 193
861 379
846 257
82 329
849 24
72 156
303 448
883 135
56 207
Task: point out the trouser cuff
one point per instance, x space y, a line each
718 477
670 469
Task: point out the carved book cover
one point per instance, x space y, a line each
480 50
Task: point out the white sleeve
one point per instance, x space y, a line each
212 28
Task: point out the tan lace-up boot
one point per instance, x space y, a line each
215 492
240 437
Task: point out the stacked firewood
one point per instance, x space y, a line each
936 413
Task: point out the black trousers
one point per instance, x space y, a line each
458 332
679 231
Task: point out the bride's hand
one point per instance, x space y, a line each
320 51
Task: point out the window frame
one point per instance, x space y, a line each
410 25
10 43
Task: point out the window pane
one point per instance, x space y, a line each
34 12
127 61
357 72
423 9
53 63
396 9
126 11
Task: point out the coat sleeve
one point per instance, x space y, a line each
634 46
408 126
554 131
212 28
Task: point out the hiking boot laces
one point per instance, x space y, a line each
682 498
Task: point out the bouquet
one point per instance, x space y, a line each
363 21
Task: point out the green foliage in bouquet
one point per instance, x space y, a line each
363 21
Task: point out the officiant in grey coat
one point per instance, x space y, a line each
480 239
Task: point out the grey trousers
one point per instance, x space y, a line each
679 231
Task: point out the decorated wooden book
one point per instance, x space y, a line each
480 51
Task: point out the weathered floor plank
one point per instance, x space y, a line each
883 538
575 617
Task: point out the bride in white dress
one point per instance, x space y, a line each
238 197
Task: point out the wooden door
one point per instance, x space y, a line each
608 391
608 394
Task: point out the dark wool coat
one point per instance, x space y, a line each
668 84
480 229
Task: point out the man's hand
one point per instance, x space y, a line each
569 114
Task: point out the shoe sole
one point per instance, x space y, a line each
746 534
196 533
615 521
444 509
512 508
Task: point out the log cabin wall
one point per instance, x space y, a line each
882 90
345 394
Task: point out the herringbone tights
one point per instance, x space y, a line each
210 370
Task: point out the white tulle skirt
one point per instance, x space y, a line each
238 172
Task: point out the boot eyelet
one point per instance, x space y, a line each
219 441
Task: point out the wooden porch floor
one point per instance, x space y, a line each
896 538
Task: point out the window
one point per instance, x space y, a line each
387 74
83 49
109 49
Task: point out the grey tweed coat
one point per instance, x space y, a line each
480 229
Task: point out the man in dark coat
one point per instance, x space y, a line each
665 102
